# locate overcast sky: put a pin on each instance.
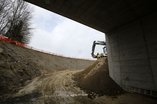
(57, 34)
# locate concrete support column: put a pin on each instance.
(132, 54)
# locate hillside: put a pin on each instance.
(19, 65)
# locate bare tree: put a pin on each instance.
(5, 5)
(16, 21)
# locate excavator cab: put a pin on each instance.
(99, 55)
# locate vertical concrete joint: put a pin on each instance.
(147, 51)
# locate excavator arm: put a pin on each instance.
(93, 48)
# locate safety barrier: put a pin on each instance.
(6, 39)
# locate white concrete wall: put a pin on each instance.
(132, 54)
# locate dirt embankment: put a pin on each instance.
(19, 65)
(15, 70)
(96, 79)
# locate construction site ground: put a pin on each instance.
(25, 81)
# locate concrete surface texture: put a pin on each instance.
(103, 15)
(132, 53)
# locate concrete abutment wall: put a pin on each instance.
(132, 55)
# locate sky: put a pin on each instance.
(62, 36)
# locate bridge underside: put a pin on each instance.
(131, 32)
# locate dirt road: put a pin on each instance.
(60, 88)
(55, 88)
(63, 89)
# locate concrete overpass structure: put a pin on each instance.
(131, 31)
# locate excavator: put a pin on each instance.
(99, 55)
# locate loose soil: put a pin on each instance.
(68, 83)
(96, 79)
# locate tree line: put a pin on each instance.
(15, 16)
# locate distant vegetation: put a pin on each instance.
(15, 18)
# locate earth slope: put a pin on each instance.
(19, 65)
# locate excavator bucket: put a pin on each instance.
(98, 55)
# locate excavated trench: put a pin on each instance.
(25, 79)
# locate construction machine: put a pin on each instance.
(99, 55)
